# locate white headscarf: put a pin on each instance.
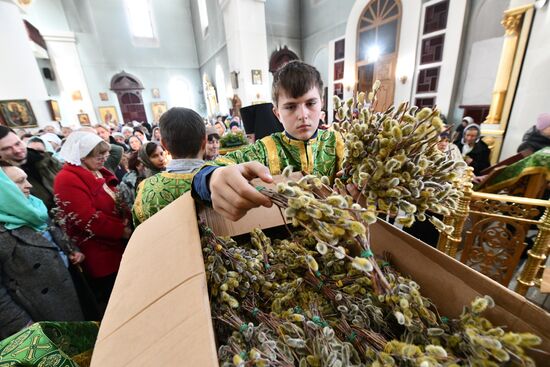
(465, 147)
(78, 145)
(52, 138)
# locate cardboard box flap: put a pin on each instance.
(160, 296)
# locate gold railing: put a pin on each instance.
(495, 238)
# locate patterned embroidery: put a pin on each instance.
(321, 156)
(156, 192)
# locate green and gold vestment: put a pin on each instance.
(321, 156)
(50, 344)
(156, 192)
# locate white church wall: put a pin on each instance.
(321, 22)
(283, 28)
(533, 91)
(19, 73)
(282, 18)
(105, 47)
(214, 40)
(482, 29)
(110, 50)
(48, 16)
(480, 77)
(211, 47)
(209, 68)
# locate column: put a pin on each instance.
(512, 24)
(70, 78)
(19, 73)
(245, 32)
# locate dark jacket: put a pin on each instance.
(480, 156)
(533, 140)
(41, 169)
(115, 156)
(35, 285)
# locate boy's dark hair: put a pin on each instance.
(4, 131)
(296, 78)
(182, 131)
(213, 136)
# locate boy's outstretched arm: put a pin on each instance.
(230, 192)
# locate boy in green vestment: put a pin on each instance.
(183, 135)
(297, 104)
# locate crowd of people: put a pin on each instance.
(67, 202)
(71, 199)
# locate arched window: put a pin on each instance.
(141, 24)
(377, 45)
(203, 15)
(180, 93)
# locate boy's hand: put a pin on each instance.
(231, 194)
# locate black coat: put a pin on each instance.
(41, 169)
(35, 285)
(480, 156)
(533, 140)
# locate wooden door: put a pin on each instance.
(131, 106)
(384, 70)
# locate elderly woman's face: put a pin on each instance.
(470, 136)
(19, 177)
(95, 162)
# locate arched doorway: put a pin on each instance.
(280, 58)
(128, 90)
(377, 45)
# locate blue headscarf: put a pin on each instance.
(16, 210)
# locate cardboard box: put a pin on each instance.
(159, 313)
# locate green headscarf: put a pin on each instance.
(16, 210)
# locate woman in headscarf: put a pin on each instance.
(36, 284)
(474, 151)
(134, 143)
(148, 161)
(155, 137)
(86, 194)
(152, 156)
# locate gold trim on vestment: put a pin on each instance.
(339, 150)
(273, 160)
(184, 176)
(138, 205)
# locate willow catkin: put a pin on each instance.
(401, 167)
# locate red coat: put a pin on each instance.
(91, 218)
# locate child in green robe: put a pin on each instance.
(183, 135)
(297, 104)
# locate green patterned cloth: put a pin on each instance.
(156, 192)
(538, 162)
(50, 344)
(321, 156)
